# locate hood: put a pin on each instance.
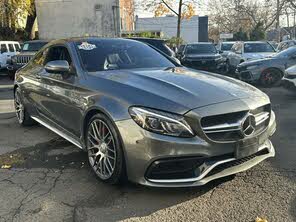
(178, 86)
(27, 53)
(259, 55)
(259, 61)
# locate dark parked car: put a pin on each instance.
(141, 116)
(267, 71)
(203, 56)
(160, 44)
(28, 51)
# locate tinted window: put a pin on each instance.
(159, 44)
(34, 47)
(258, 47)
(4, 48)
(226, 46)
(200, 48)
(17, 47)
(58, 53)
(99, 55)
(11, 48)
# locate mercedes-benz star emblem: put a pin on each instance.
(248, 126)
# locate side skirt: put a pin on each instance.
(59, 132)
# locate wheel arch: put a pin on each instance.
(273, 68)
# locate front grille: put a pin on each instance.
(228, 127)
(22, 60)
(221, 167)
(181, 168)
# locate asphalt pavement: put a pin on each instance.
(50, 180)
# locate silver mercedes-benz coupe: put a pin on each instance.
(141, 116)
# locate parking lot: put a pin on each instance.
(49, 180)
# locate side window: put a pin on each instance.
(11, 48)
(3, 48)
(58, 53)
(40, 58)
(17, 47)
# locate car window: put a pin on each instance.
(3, 48)
(258, 47)
(33, 46)
(226, 46)
(11, 48)
(200, 49)
(39, 59)
(17, 47)
(58, 53)
(100, 55)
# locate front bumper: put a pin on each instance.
(14, 67)
(207, 65)
(289, 84)
(252, 75)
(143, 149)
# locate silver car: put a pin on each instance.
(141, 116)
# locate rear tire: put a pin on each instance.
(104, 148)
(22, 115)
(271, 77)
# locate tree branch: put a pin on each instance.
(169, 7)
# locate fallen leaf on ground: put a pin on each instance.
(258, 219)
(5, 166)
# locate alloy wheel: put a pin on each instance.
(19, 107)
(101, 148)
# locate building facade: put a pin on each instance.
(76, 18)
(194, 29)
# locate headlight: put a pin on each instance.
(252, 67)
(161, 122)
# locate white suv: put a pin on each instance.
(7, 50)
(243, 51)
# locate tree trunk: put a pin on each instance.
(30, 20)
(179, 20)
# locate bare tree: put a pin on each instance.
(180, 8)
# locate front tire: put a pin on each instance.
(22, 115)
(104, 149)
(271, 77)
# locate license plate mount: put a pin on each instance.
(247, 147)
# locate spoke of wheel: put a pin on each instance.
(108, 156)
(95, 130)
(108, 162)
(107, 167)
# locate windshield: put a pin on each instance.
(100, 55)
(226, 46)
(36, 46)
(287, 53)
(258, 47)
(200, 49)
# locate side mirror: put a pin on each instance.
(221, 51)
(57, 66)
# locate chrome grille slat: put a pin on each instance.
(228, 127)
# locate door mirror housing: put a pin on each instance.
(57, 66)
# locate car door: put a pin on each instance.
(291, 61)
(11, 50)
(61, 100)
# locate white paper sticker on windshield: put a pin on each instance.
(87, 46)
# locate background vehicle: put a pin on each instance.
(7, 50)
(224, 48)
(27, 52)
(285, 45)
(268, 71)
(139, 114)
(202, 56)
(244, 51)
(289, 80)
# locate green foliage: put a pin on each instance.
(174, 42)
(258, 32)
(240, 36)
